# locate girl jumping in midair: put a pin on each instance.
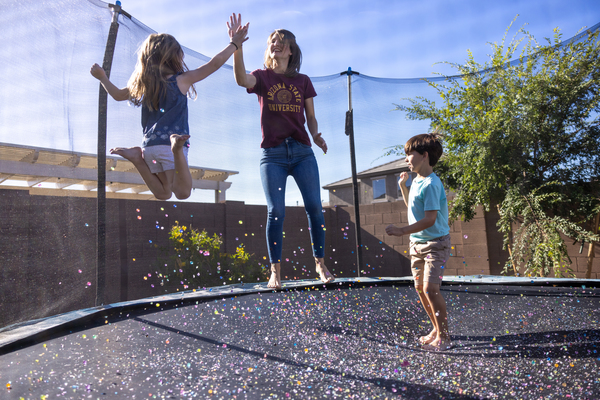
(161, 84)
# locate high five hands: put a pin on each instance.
(235, 27)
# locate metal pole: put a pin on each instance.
(350, 134)
(101, 199)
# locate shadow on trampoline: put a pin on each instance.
(535, 345)
(527, 345)
(389, 385)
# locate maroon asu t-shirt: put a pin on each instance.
(281, 102)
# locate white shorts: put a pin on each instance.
(160, 158)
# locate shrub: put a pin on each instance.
(196, 260)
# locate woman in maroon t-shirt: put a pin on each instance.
(285, 97)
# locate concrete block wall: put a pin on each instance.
(470, 244)
(578, 254)
(580, 262)
(47, 256)
(237, 224)
(495, 241)
(48, 247)
(389, 255)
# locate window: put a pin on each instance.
(379, 188)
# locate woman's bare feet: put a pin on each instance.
(275, 280)
(177, 141)
(133, 154)
(324, 274)
(428, 338)
(438, 344)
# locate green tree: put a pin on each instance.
(512, 128)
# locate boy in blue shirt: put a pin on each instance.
(429, 234)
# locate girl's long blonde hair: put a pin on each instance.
(295, 62)
(159, 56)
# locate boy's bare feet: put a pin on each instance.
(438, 345)
(133, 154)
(177, 141)
(324, 274)
(275, 280)
(427, 338)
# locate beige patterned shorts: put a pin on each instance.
(428, 259)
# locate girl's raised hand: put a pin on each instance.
(97, 72)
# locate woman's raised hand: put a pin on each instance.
(237, 32)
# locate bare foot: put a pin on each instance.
(133, 154)
(177, 141)
(438, 345)
(275, 280)
(324, 274)
(428, 338)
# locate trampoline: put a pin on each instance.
(355, 338)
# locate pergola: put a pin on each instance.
(52, 172)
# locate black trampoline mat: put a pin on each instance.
(525, 342)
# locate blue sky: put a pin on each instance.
(388, 39)
(383, 38)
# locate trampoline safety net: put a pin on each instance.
(50, 101)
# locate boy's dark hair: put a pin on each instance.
(426, 142)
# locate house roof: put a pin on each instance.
(383, 169)
(57, 172)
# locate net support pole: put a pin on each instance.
(102, 121)
(350, 133)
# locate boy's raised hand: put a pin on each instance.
(403, 178)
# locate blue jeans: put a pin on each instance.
(277, 163)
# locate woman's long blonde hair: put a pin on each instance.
(288, 38)
(159, 56)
